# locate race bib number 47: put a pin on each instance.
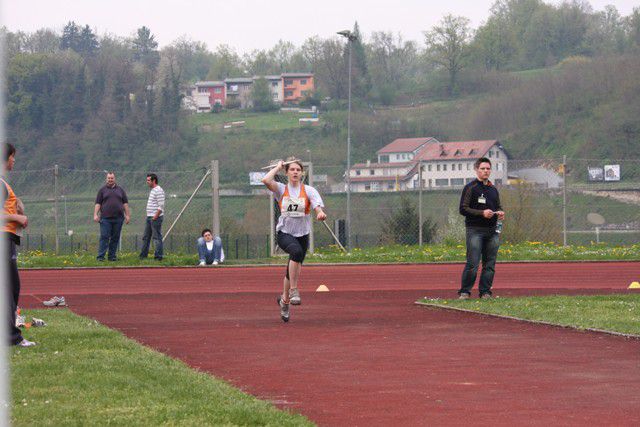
(293, 206)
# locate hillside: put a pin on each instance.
(581, 108)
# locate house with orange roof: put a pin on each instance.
(450, 164)
(395, 161)
(444, 165)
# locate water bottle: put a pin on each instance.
(499, 226)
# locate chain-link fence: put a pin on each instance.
(576, 201)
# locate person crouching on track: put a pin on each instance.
(296, 201)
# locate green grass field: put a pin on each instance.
(618, 313)
(82, 373)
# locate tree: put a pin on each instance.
(261, 95)
(402, 226)
(447, 46)
(392, 64)
(259, 63)
(226, 63)
(87, 42)
(42, 41)
(145, 48)
(194, 58)
(361, 80)
(70, 37)
(281, 54)
(633, 28)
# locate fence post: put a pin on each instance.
(215, 196)
(420, 203)
(272, 225)
(55, 205)
(564, 200)
(311, 235)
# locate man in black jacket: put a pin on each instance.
(480, 204)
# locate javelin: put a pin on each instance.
(284, 164)
(334, 236)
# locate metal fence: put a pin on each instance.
(575, 201)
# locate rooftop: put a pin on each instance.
(456, 150)
(406, 145)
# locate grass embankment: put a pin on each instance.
(530, 251)
(82, 373)
(617, 313)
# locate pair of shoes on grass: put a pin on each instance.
(55, 302)
(465, 295)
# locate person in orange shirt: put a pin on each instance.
(14, 220)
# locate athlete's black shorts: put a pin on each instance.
(296, 247)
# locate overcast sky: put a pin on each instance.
(250, 24)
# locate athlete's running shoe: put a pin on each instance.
(294, 297)
(284, 309)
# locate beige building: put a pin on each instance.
(444, 165)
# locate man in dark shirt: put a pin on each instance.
(480, 204)
(111, 210)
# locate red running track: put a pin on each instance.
(363, 354)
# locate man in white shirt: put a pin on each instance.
(155, 214)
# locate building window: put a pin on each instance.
(442, 182)
(288, 93)
(457, 181)
(429, 168)
(372, 172)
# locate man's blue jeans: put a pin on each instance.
(153, 229)
(206, 255)
(109, 237)
(482, 243)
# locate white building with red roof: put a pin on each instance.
(444, 165)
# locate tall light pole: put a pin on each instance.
(350, 39)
